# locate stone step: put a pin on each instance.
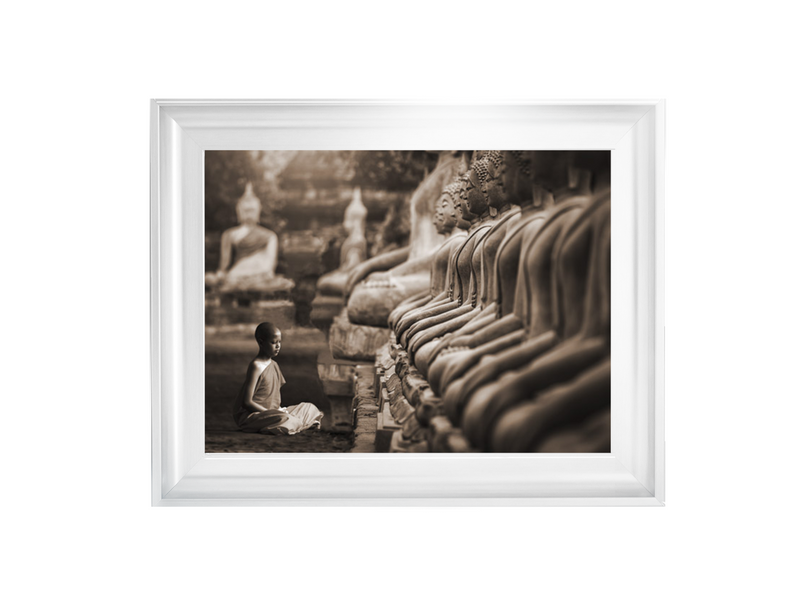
(279, 312)
(326, 308)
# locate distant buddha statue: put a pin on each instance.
(377, 286)
(249, 252)
(353, 250)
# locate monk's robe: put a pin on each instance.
(276, 420)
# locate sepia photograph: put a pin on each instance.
(407, 301)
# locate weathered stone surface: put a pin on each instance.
(355, 342)
(400, 444)
(383, 357)
(400, 409)
(444, 437)
(386, 425)
(324, 310)
(338, 379)
(365, 411)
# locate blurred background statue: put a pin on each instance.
(377, 286)
(353, 250)
(249, 252)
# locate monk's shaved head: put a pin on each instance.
(265, 331)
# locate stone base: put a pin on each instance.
(339, 381)
(386, 424)
(366, 409)
(348, 341)
(325, 309)
(444, 437)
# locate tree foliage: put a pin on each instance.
(391, 170)
(226, 175)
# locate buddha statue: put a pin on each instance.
(549, 172)
(529, 329)
(450, 223)
(353, 250)
(377, 286)
(249, 252)
(582, 341)
(457, 298)
(498, 301)
(506, 185)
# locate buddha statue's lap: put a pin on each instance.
(582, 266)
(466, 270)
(372, 300)
(525, 427)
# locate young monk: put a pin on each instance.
(257, 407)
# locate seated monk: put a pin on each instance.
(582, 273)
(451, 224)
(507, 186)
(407, 271)
(252, 250)
(524, 302)
(353, 250)
(474, 207)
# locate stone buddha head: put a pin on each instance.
(438, 213)
(506, 180)
(248, 207)
(449, 205)
(473, 202)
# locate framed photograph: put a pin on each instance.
(326, 288)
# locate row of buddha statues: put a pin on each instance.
(501, 327)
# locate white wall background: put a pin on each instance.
(75, 439)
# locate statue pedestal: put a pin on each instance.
(349, 341)
(339, 379)
(325, 309)
(249, 307)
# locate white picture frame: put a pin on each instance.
(184, 475)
